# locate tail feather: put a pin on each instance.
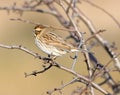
(74, 50)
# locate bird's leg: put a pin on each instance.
(54, 57)
(51, 57)
(48, 59)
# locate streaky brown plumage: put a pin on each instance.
(51, 43)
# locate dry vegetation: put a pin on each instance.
(70, 21)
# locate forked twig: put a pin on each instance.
(63, 86)
(70, 22)
(34, 73)
(19, 47)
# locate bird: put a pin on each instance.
(51, 43)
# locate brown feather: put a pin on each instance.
(56, 41)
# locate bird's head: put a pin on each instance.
(38, 30)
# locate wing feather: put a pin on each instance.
(56, 41)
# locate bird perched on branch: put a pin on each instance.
(51, 43)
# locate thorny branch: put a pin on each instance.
(72, 10)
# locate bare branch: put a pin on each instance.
(47, 26)
(63, 86)
(19, 47)
(54, 64)
(73, 15)
(82, 77)
(20, 10)
(92, 29)
(34, 73)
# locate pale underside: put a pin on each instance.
(54, 45)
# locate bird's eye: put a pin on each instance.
(37, 31)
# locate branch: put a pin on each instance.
(82, 77)
(47, 26)
(92, 29)
(63, 86)
(19, 47)
(71, 25)
(34, 73)
(20, 10)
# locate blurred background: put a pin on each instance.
(13, 63)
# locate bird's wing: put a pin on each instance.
(57, 41)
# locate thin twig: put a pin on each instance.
(92, 29)
(70, 4)
(19, 47)
(93, 35)
(104, 67)
(47, 26)
(69, 8)
(87, 60)
(63, 86)
(83, 78)
(34, 73)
